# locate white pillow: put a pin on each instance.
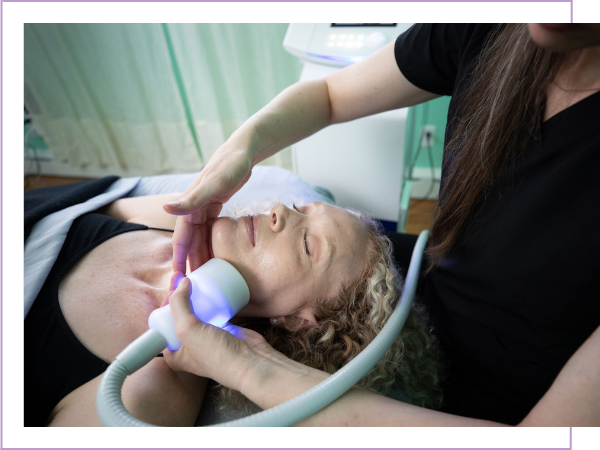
(266, 186)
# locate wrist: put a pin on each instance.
(245, 142)
(270, 378)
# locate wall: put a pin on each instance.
(433, 113)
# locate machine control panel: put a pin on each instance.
(340, 44)
(351, 41)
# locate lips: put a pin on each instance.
(557, 27)
(251, 228)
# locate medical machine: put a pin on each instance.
(360, 162)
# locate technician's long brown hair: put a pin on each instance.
(495, 120)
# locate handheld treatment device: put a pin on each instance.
(218, 292)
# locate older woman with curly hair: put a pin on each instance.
(343, 324)
(321, 278)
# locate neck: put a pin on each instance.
(581, 70)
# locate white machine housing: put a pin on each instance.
(360, 162)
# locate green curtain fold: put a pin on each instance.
(161, 98)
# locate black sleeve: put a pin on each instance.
(429, 55)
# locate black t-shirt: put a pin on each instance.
(518, 296)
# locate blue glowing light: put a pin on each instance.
(220, 320)
(210, 303)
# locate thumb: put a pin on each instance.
(192, 201)
(181, 308)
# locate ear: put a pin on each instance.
(303, 318)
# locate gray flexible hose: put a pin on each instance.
(136, 355)
(113, 413)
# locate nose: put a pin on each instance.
(278, 216)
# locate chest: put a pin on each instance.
(558, 100)
(107, 296)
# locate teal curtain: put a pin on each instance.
(156, 97)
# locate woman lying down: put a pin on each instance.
(322, 285)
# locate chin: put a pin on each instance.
(563, 37)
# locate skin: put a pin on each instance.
(565, 37)
(284, 272)
(578, 77)
(282, 278)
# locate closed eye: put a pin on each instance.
(305, 233)
(306, 243)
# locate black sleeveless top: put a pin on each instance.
(56, 362)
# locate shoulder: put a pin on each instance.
(146, 210)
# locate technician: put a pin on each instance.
(512, 288)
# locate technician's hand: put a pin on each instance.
(208, 351)
(226, 172)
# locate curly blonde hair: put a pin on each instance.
(349, 322)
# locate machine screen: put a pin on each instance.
(363, 24)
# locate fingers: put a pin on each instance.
(182, 237)
(165, 302)
(175, 279)
(176, 207)
(181, 309)
(197, 199)
(192, 240)
(198, 251)
(213, 210)
(225, 174)
(180, 303)
(216, 184)
(186, 327)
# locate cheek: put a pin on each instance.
(273, 279)
(273, 272)
(224, 239)
(270, 262)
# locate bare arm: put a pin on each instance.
(572, 400)
(154, 394)
(146, 210)
(372, 86)
(275, 379)
(369, 87)
(574, 397)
